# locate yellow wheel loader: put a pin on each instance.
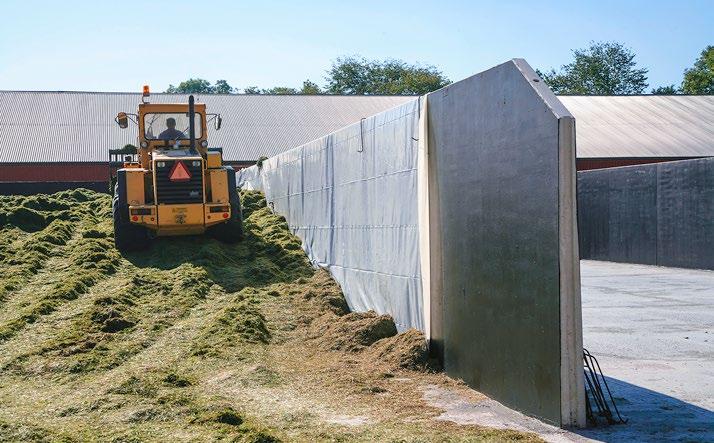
(172, 183)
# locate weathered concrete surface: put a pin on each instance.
(490, 413)
(652, 329)
(506, 316)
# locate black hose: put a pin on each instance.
(191, 124)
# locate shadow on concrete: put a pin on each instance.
(653, 416)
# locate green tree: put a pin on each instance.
(200, 86)
(666, 90)
(310, 88)
(280, 90)
(359, 76)
(606, 68)
(191, 86)
(222, 87)
(251, 90)
(699, 79)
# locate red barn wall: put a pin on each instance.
(54, 172)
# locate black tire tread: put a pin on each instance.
(127, 237)
(230, 231)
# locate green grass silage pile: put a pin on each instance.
(73, 309)
(96, 345)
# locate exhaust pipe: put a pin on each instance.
(191, 124)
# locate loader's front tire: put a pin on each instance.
(231, 230)
(127, 236)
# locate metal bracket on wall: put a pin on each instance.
(419, 115)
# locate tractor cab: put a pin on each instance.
(172, 183)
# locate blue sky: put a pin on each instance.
(119, 46)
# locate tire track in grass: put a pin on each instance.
(35, 228)
(91, 258)
(20, 355)
(120, 324)
(20, 262)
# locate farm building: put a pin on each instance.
(55, 140)
(638, 129)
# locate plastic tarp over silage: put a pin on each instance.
(351, 196)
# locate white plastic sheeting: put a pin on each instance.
(351, 197)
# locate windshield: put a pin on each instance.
(169, 126)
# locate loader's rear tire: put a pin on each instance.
(230, 231)
(127, 236)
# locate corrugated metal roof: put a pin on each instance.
(643, 126)
(79, 126)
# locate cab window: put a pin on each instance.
(170, 125)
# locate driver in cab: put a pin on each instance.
(171, 133)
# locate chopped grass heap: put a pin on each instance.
(351, 332)
(192, 339)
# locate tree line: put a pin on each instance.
(347, 76)
(603, 68)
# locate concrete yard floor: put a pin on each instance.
(652, 330)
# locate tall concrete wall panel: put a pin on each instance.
(494, 144)
(455, 214)
(659, 214)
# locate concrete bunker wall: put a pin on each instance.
(507, 313)
(660, 214)
(455, 214)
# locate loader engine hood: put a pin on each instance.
(175, 154)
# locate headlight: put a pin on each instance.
(196, 163)
(144, 144)
(160, 164)
(204, 143)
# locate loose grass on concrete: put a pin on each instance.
(195, 340)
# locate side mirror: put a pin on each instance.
(122, 120)
(218, 123)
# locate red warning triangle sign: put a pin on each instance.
(179, 173)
